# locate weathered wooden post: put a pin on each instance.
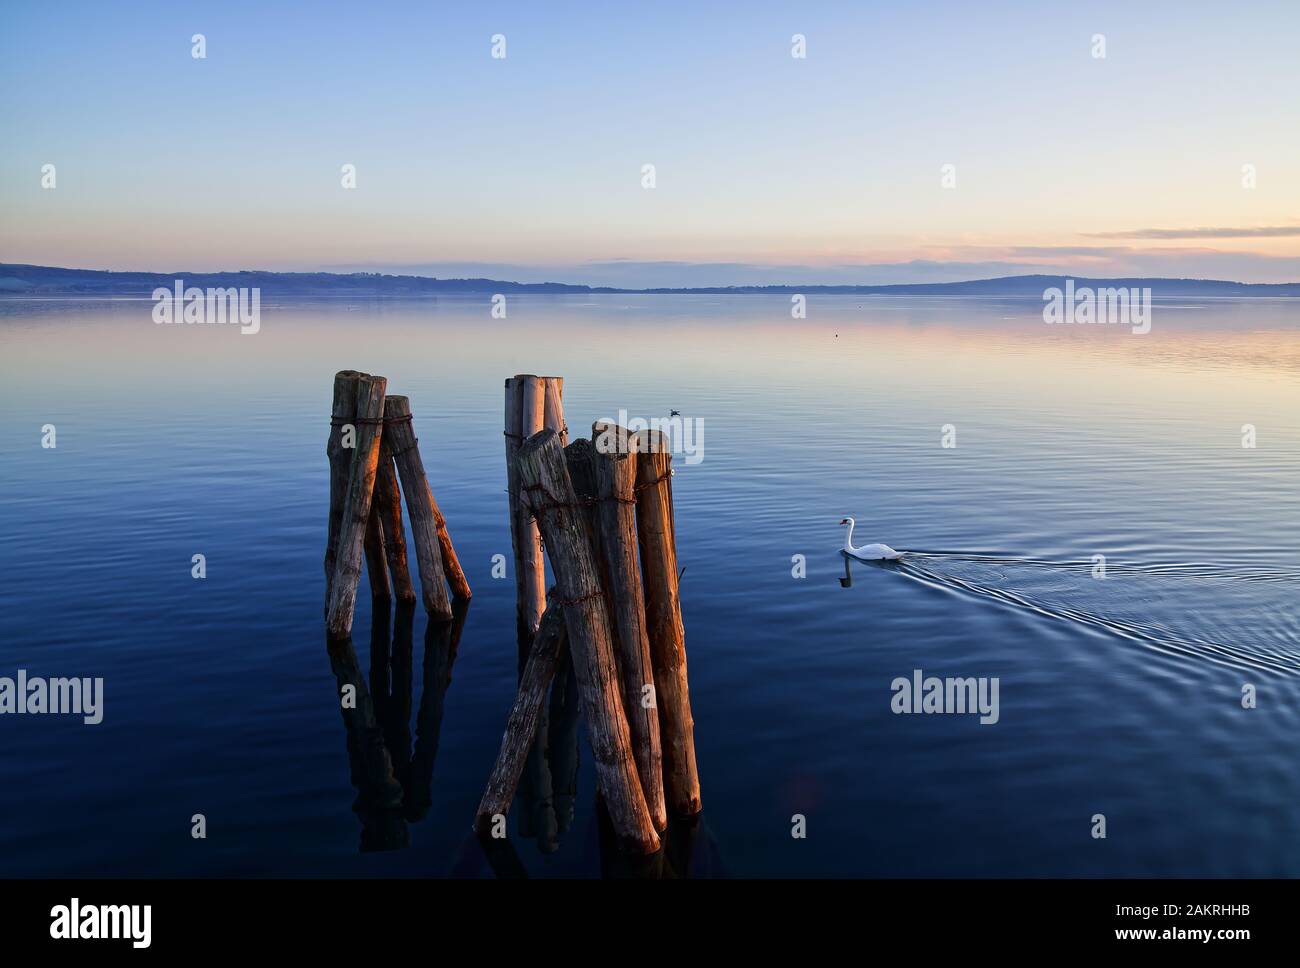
(531, 569)
(343, 415)
(343, 411)
(658, 545)
(513, 437)
(356, 503)
(521, 728)
(419, 506)
(553, 408)
(614, 464)
(545, 481)
(525, 414)
(450, 562)
(388, 508)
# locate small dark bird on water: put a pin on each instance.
(674, 413)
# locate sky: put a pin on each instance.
(768, 168)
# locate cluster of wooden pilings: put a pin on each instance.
(602, 511)
(372, 447)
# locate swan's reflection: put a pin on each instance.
(393, 782)
(849, 561)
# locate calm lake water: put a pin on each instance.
(1119, 696)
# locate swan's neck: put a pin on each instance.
(848, 538)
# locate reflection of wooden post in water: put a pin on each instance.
(379, 795)
(689, 851)
(394, 782)
(356, 503)
(544, 478)
(658, 542)
(563, 716)
(525, 714)
(441, 641)
(390, 685)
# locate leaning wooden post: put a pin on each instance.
(343, 415)
(356, 503)
(615, 472)
(450, 562)
(419, 506)
(658, 543)
(545, 480)
(388, 507)
(547, 649)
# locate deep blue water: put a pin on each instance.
(1118, 696)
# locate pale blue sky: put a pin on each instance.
(768, 168)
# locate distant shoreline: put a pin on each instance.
(30, 280)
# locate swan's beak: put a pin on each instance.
(844, 520)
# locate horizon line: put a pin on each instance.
(712, 289)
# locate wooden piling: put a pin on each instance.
(579, 459)
(530, 568)
(419, 507)
(343, 410)
(450, 562)
(553, 408)
(343, 413)
(544, 480)
(615, 480)
(388, 507)
(513, 416)
(356, 503)
(658, 545)
(521, 728)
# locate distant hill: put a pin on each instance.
(16, 279)
(46, 279)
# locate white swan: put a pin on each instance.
(870, 552)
